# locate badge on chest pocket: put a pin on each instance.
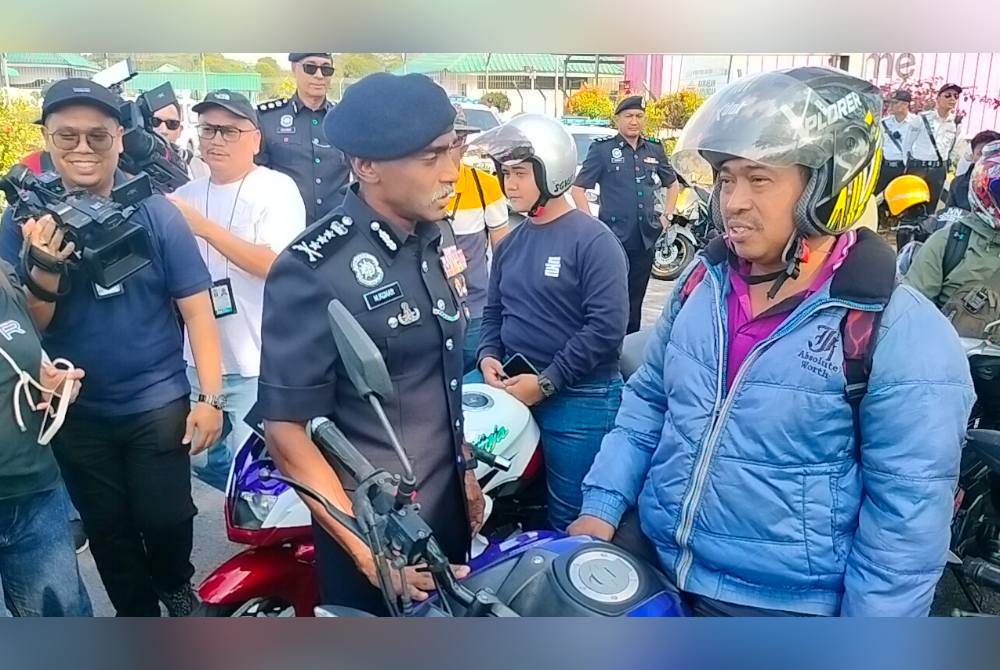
(223, 303)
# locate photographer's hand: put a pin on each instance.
(47, 241)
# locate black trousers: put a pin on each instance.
(631, 538)
(640, 264)
(130, 478)
(342, 584)
(934, 176)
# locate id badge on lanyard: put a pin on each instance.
(223, 302)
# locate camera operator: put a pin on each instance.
(168, 123)
(124, 446)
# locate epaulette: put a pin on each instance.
(272, 104)
(316, 243)
(654, 140)
(605, 138)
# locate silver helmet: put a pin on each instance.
(536, 138)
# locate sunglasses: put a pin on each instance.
(311, 68)
(99, 141)
(171, 124)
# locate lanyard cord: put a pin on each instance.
(229, 226)
(22, 389)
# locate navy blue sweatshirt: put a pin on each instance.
(559, 296)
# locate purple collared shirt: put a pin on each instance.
(745, 331)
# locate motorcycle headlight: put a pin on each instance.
(258, 504)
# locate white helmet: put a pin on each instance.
(539, 139)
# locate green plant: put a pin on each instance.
(497, 99)
(591, 102)
(676, 108)
(19, 136)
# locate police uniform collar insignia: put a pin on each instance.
(367, 270)
(311, 247)
(385, 237)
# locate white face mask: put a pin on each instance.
(58, 405)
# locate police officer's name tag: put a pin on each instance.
(223, 303)
(453, 261)
(383, 295)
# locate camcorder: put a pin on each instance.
(108, 247)
(145, 150)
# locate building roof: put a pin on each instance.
(499, 63)
(53, 60)
(195, 81)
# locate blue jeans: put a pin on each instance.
(38, 570)
(239, 395)
(473, 330)
(572, 423)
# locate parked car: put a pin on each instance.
(584, 132)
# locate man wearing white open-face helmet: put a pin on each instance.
(557, 306)
(791, 441)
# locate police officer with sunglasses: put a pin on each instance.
(293, 140)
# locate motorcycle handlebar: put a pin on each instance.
(327, 436)
(982, 572)
(492, 460)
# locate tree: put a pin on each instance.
(19, 135)
(676, 108)
(591, 102)
(497, 99)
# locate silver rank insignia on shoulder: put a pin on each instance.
(367, 270)
(408, 315)
(384, 237)
(312, 248)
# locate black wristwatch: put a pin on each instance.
(546, 385)
(215, 401)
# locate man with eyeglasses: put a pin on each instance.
(243, 215)
(294, 142)
(934, 143)
(168, 124)
(124, 449)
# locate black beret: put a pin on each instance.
(386, 116)
(631, 102)
(296, 57)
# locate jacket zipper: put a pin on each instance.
(693, 498)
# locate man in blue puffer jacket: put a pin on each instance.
(761, 486)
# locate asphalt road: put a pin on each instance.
(211, 547)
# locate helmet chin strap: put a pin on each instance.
(796, 252)
(539, 206)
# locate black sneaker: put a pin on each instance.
(80, 540)
(180, 603)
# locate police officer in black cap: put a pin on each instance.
(293, 141)
(390, 256)
(638, 194)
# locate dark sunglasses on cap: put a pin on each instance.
(310, 69)
(171, 124)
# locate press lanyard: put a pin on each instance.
(229, 226)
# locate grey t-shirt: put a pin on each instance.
(25, 466)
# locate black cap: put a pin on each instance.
(230, 101)
(950, 87)
(76, 91)
(631, 102)
(901, 96)
(296, 57)
(386, 116)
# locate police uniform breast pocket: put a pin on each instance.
(383, 326)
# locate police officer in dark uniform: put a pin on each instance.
(293, 141)
(638, 194)
(387, 253)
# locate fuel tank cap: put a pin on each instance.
(603, 576)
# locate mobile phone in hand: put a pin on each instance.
(519, 365)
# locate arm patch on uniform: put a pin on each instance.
(317, 243)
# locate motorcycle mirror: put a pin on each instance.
(360, 356)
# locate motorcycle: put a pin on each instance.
(275, 576)
(690, 230)
(975, 531)
(532, 574)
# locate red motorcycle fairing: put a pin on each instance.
(286, 572)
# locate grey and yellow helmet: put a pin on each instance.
(822, 119)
